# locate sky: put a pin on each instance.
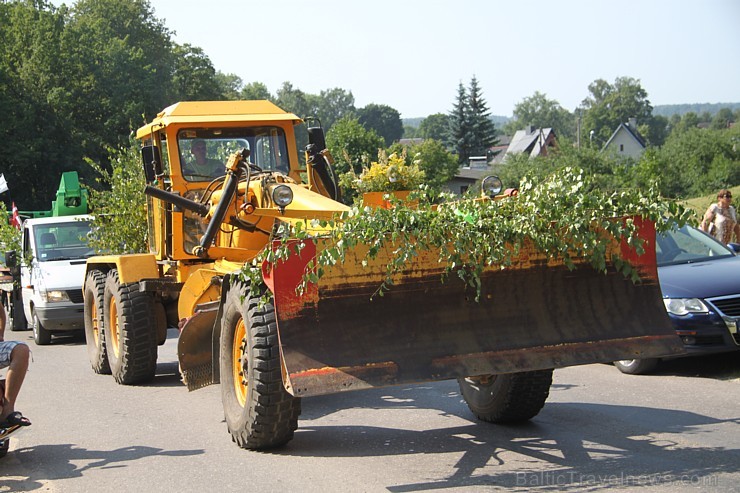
(413, 54)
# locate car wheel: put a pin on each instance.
(636, 366)
(41, 336)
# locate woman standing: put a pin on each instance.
(720, 220)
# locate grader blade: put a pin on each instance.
(537, 314)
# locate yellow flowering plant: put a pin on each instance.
(389, 173)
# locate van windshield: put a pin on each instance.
(62, 241)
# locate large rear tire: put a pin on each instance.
(130, 331)
(94, 326)
(507, 398)
(259, 412)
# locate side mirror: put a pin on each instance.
(152, 161)
(735, 247)
(316, 134)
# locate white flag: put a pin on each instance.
(3, 184)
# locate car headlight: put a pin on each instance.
(56, 296)
(282, 195)
(684, 306)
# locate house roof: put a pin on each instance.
(626, 127)
(471, 173)
(530, 140)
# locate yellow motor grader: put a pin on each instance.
(222, 177)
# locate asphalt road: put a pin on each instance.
(675, 431)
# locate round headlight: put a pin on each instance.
(491, 186)
(282, 195)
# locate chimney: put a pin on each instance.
(632, 123)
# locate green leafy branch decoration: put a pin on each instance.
(562, 216)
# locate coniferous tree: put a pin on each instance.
(459, 137)
(482, 130)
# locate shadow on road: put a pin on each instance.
(65, 458)
(725, 366)
(567, 451)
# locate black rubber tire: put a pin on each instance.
(94, 325)
(41, 336)
(507, 398)
(267, 415)
(637, 366)
(130, 335)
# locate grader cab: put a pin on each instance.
(222, 177)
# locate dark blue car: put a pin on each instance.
(700, 281)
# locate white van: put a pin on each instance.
(53, 256)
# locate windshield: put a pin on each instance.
(687, 245)
(62, 241)
(204, 152)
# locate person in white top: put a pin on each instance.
(720, 220)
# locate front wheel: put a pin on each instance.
(94, 331)
(41, 336)
(259, 412)
(507, 398)
(636, 366)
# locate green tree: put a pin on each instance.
(333, 105)
(383, 119)
(229, 85)
(435, 127)
(609, 105)
(194, 78)
(437, 163)
(541, 112)
(482, 130)
(722, 119)
(256, 90)
(119, 208)
(458, 132)
(352, 145)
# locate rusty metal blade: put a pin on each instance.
(535, 315)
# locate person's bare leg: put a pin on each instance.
(14, 378)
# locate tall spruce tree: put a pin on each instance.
(459, 136)
(482, 130)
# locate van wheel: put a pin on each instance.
(94, 327)
(130, 331)
(41, 336)
(507, 398)
(259, 412)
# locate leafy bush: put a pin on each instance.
(119, 209)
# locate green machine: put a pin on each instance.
(71, 199)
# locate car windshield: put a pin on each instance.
(204, 152)
(62, 241)
(687, 245)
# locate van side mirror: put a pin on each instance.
(152, 161)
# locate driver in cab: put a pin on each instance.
(202, 165)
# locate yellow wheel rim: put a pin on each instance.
(239, 362)
(114, 328)
(95, 324)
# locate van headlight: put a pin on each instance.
(684, 306)
(55, 296)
